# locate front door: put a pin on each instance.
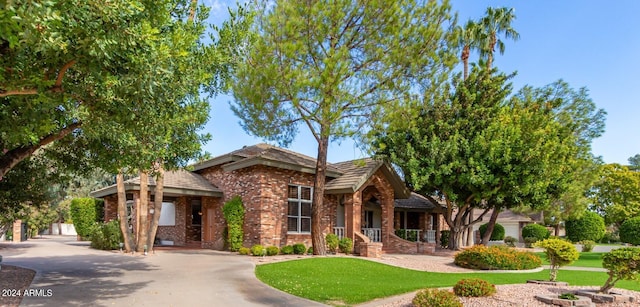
(209, 224)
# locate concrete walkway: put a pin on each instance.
(80, 276)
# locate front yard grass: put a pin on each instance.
(348, 281)
(587, 260)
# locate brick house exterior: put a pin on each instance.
(365, 200)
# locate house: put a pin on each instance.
(511, 221)
(364, 200)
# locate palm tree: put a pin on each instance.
(497, 21)
(469, 36)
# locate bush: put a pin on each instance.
(480, 257)
(287, 250)
(535, 231)
(310, 250)
(589, 227)
(85, 212)
(332, 242)
(630, 231)
(444, 238)
(610, 237)
(106, 236)
(233, 212)
(244, 250)
(529, 241)
(345, 245)
(407, 235)
(496, 235)
(299, 249)
(474, 287)
(436, 298)
(587, 245)
(559, 253)
(621, 263)
(258, 250)
(510, 241)
(272, 250)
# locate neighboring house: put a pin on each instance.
(364, 200)
(511, 221)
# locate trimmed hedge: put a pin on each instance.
(589, 227)
(299, 249)
(233, 212)
(496, 235)
(106, 236)
(85, 212)
(536, 231)
(474, 287)
(498, 257)
(332, 242)
(345, 245)
(436, 298)
(630, 231)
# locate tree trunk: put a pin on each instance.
(470, 236)
(455, 238)
(556, 230)
(465, 60)
(157, 205)
(553, 273)
(143, 212)
(493, 42)
(492, 223)
(122, 212)
(317, 237)
(608, 285)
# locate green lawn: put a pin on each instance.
(589, 260)
(348, 281)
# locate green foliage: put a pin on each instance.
(407, 235)
(272, 250)
(287, 250)
(345, 245)
(474, 287)
(559, 253)
(310, 250)
(510, 241)
(587, 245)
(299, 249)
(536, 231)
(244, 250)
(496, 235)
(630, 231)
(258, 250)
(444, 238)
(529, 241)
(617, 193)
(481, 257)
(84, 212)
(622, 264)
(568, 296)
(332, 242)
(436, 298)
(588, 227)
(233, 211)
(610, 237)
(106, 236)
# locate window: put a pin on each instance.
(167, 214)
(299, 211)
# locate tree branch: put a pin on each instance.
(56, 88)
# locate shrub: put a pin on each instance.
(299, 249)
(244, 250)
(536, 231)
(106, 236)
(610, 237)
(510, 241)
(233, 212)
(332, 242)
(258, 250)
(589, 227)
(621, 263)
(85, 212)
(568, 296)
(444, 238)
(345, 245)
(630, 231)
(436, 298)
(474, 287)
(407, 235)
(272, 250)
(497, 257)
(559, 253)
(529, 241)
(587, 245)
(496, 235)
(310, 250)
(287, 250)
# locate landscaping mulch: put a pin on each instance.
(12, 280)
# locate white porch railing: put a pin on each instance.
(374, 234)
(430, 236)
(410, 234)
(338, 231)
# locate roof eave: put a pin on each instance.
(111, 190)
(248, 162)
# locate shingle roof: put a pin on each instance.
(416, 201)
(357, 172)
(180, 182)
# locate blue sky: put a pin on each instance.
(592, 44)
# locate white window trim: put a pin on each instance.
(300, 201)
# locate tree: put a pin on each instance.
(559, 253)
(634, 162)
(329, 67)
(588, 227)
(621, 264)
(616, 194)
(469, 38)
(630, 231)
(496, 21)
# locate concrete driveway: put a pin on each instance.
(80, 276)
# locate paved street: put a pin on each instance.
(80, 276)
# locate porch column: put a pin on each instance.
(352, 214)
(386, 204)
